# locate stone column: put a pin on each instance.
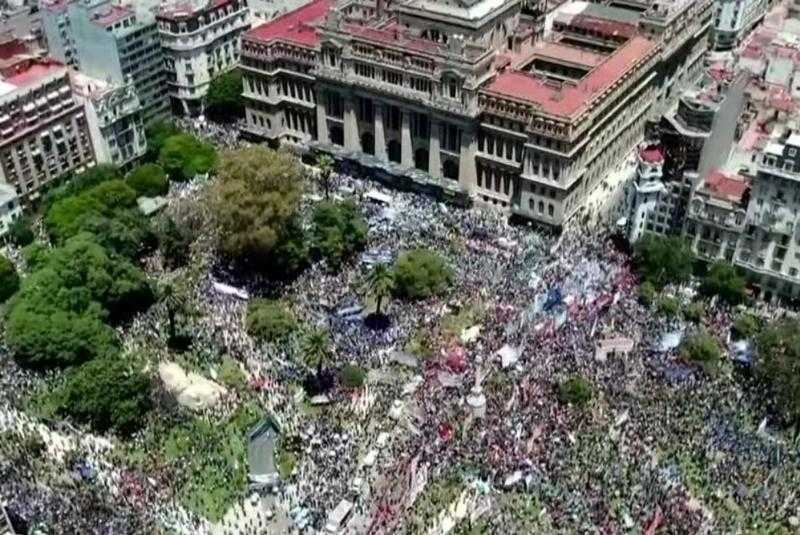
(322, 119)
(434, 151)
(467, 173)
(406, 149)
(351, 141)
(380, 136)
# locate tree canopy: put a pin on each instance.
(157, 133)
(20, 232)
(256, 203)
(778, 365)
(724, 281)
(9, 280)
(183, 157)
(224, 102)
(107, 393)
(703, 350)
(79, 183)
(663, 260)
(338, 231)
(57, 317)
(269, 320)
(108, 211)
(420, 273)
(148, 180)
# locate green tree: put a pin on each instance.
(173, 241)
(157, 133)
(57, 317)
(183, 157)
(746, 325)
(44, 336)
(316, 349)
(380, 284)
(148, 180)
(662, 260)
(269, 320)
(338, 231)
(695, 312)
(647, 293)
(325, 166)
(723, 280)
(352, 376)
(108, 211)
(778, 364)
(224, 101)
(576, 391)
(79, 183)
(703, 350)
(419, 274)
(20, 232)
(9, 280)
(256, 203)
(669, 306)
(107, 393)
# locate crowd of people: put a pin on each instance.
(660, 445)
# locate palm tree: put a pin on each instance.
(325, 165)
(380, 283)
(316, 347)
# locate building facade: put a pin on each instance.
(114, 117)
(734, 20)
(717, 214)
(769, 250)
(10, 209)
(201, 39)
(114, 43)
(471, 96)
(44, 135)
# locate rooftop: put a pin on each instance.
(569, 99)
(179, 9)
(30, 71)
(298, 26)
(599, 18)
(111, 15)
(552, 50)
(725, 187)
(652, 154)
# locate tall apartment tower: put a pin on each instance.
(114, 43)
(44, 134)
(201, 39)
(734, 20)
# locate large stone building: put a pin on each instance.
(201, 39)
(114, 116)
(472, 95)
(44, 135)
(111, 42)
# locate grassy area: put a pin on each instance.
(454, 323)
(209, 457)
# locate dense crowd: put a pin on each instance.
(662, 445)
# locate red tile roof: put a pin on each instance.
(570, 99)
(721, 186)
(605, 27)
(652, 154)
(566, 53)
(30, 71)
(298, 26)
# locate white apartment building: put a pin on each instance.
(200, 40)
(734, 20)
(114, 116)
(769, 250)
